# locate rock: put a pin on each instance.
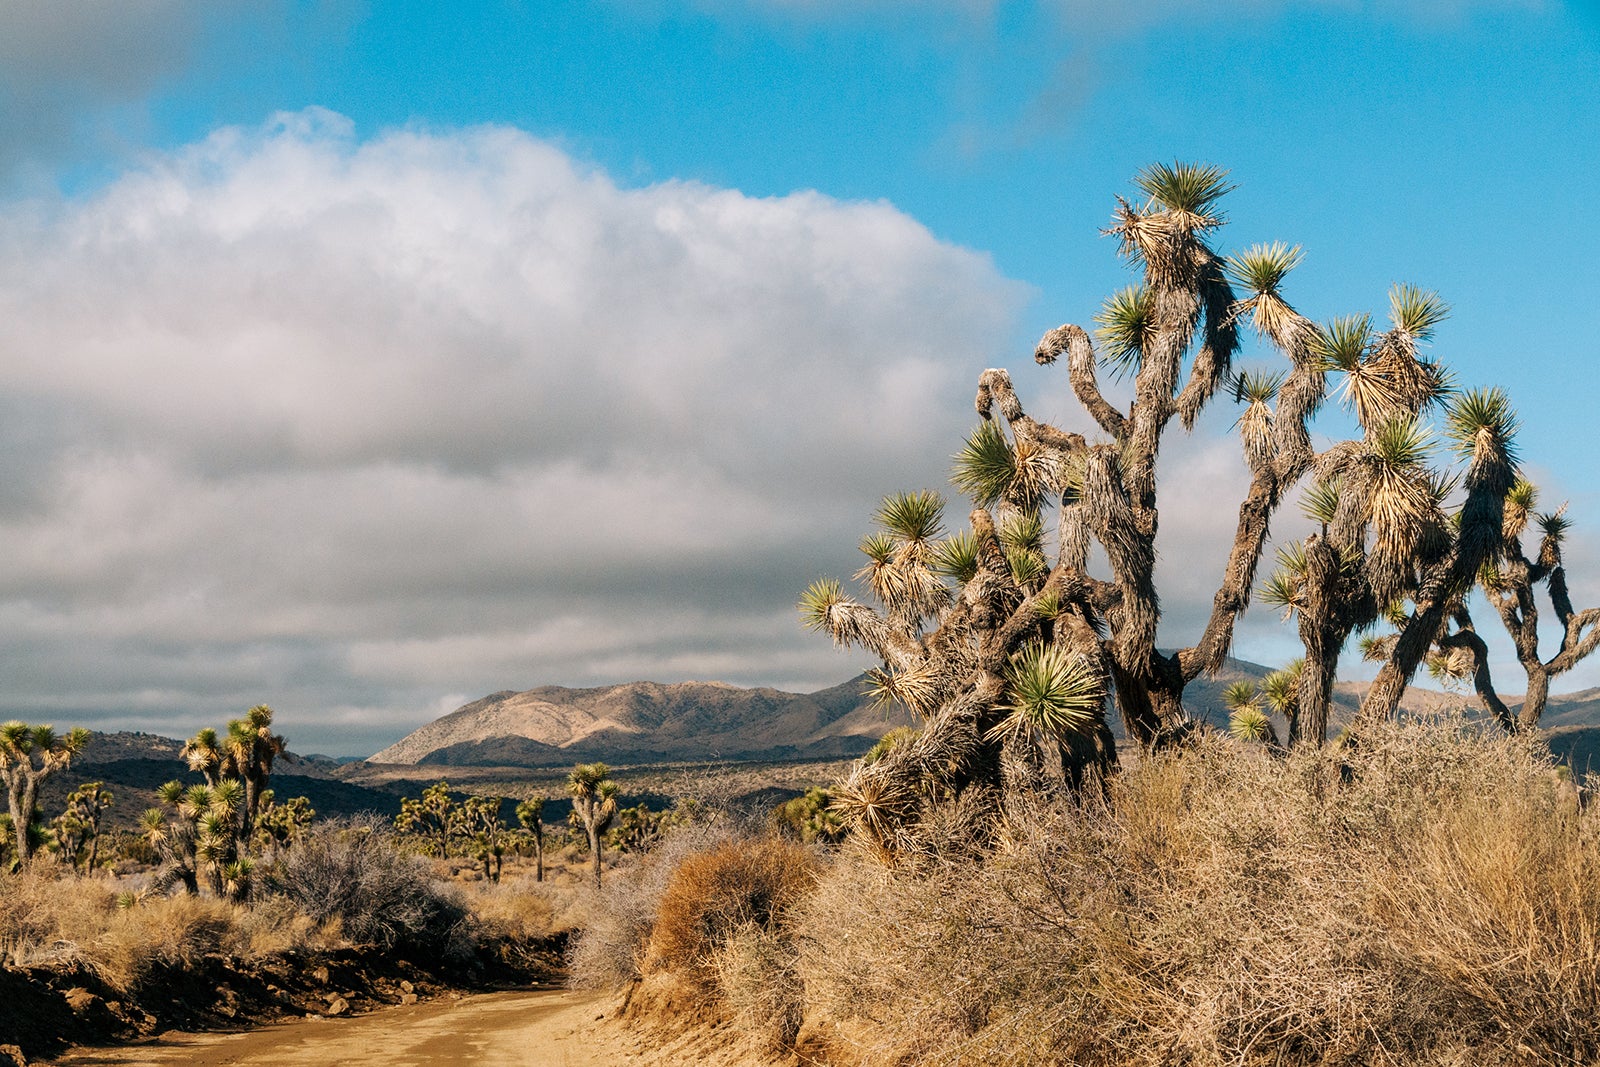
(339, 1006)
(320, 975)
(407, 987)
(408, 998)
(11, 1056)
(80, 999)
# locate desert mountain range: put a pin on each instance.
(643, 722)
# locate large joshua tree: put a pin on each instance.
(1012, 666)
(29, 755)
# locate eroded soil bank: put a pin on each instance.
(47, 1011)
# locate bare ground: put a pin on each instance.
(518, 1029)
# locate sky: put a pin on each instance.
(364, 358)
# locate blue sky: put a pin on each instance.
(369, 357)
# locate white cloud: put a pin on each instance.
(286, 400)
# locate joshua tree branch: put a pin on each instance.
(1466, 637)
(1081, 373)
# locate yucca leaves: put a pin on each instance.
(1124, 325)
(918, 690)
(1261, 268)
(1416, 311)
(1257, 386)
(1027, 566)
(913, 517)
(1342, 344)
(1023, 532)
(1250, 724)
(1555, 524)
(957, 556)
(1321, 502)
(1190, 190)
(1281, 689)
(1482, 425)
(985, 467)
(819, 601)
(1241, 694)
(1051, 695)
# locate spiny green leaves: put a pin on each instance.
(1402, 443)
(1250, 724)
(915, 517)
(818, 602)
(1416, 311)
(1555, 524)
(1241, 694)
(1257, 386)
(1343, 343)
(1051, 695)
(1190, 190)
(1281, 688)
(957, 556)
(1124, 325)
(985, 466)
(1261, 268)
(1321, 502)
(1482, 425)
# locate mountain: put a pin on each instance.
(650, 722)
(643, 722)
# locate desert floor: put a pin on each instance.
(519, 1029)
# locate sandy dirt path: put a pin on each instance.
(543, 1028)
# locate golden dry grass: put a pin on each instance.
(1436, 904)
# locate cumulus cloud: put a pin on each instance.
(350, 425)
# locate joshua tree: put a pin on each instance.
(29, 755)
(594, 802)
(1510, 583)
(1011, 668)
(244, 755)
(252, 747)
(1251, 707)
(530, 813)
(432, 816)
(78, 827)
(278, 826)
(477, 821)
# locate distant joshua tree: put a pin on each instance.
(78, 827)
(530, 813)
(594, 802)
(28, 756)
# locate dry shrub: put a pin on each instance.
(609, 951)
(713, 895)
(174, 931)
(759, 980)
(1437, 903)
(352, 872)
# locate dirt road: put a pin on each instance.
(528, 1029)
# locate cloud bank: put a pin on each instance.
(354, 427)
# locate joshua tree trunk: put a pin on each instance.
(594, 847)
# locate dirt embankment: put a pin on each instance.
(44, 1011)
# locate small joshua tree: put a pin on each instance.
(1510, 582)
(28, 756)
(279, 826)
(594, 802)
(530, 813)
(431, 817)
(477, 822)
(78, 827)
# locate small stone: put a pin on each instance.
(339, 1006)
(11, 1056)
(407, 987)
(79, 999)
(320, 976)
(408, 998)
